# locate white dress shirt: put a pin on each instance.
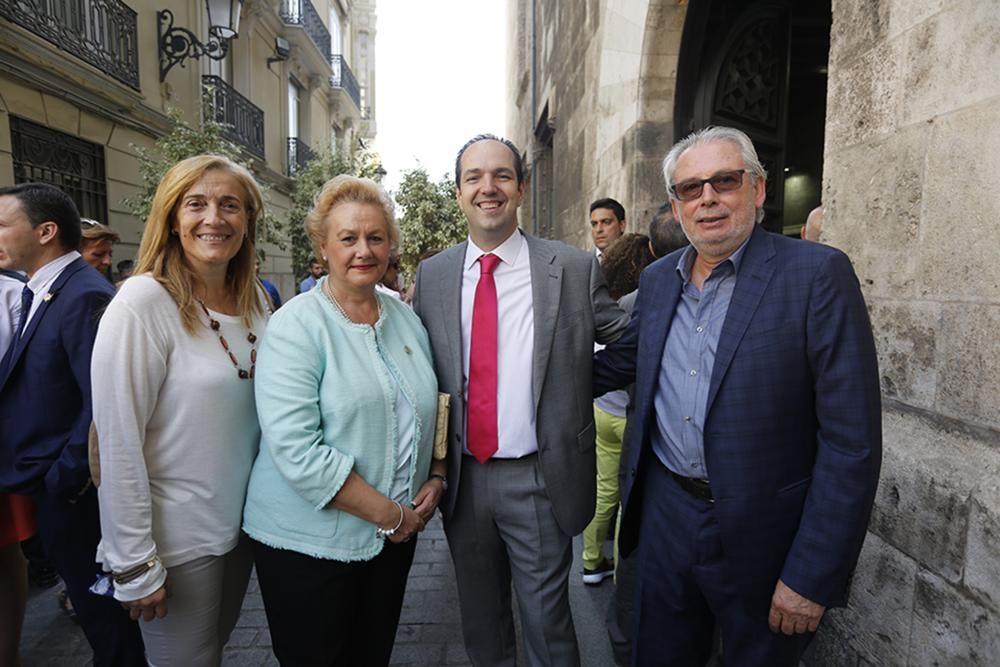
(40, 283)
(515, 342)
(10, 310)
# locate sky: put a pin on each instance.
(440, 79)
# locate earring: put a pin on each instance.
(324, 258)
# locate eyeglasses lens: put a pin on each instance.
(726, 181)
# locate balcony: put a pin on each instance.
(243, 120)
(102, 33)
(302, 13)
(299, 155)
(343, 78)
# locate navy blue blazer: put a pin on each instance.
(793, 435)
(45, 407)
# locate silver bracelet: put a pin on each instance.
(389, 532)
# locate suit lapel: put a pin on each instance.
(22, 343)
(755, 273)
(656, 313)
(546, 287)
(450, 284)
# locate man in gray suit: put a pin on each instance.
(512, 322)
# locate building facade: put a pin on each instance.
(886, 111)
(84, 84)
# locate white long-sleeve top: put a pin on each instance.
(178, 434)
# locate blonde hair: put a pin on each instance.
(161, 253)
(342, 189)
(93, 232)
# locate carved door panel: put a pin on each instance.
(746, 87)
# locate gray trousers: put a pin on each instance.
(503, 531)
(204, 603)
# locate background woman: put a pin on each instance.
(173, 375)
(97, 244)
(622, 263)
(347, 398)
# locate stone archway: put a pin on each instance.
(655, 131)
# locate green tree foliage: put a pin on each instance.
(182, 142)
(431, 218)
(308, 182)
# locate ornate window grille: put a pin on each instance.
(243, 119)
(299, 154)
(43, 155)
(343, 77)
(302, 12)
(100, 32)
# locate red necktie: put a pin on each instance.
(482, 409)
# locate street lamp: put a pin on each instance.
(178, 44)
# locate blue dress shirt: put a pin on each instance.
(686, 366)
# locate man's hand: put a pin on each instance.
(791, 613)
(152, 606)
(428, 498)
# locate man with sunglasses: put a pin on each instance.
(755, 446)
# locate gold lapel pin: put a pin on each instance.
(47, 297)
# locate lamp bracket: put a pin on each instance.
(178, 44)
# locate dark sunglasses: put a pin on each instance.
(724, 181)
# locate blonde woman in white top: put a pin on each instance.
(173, 374)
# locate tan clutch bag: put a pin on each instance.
(94, 455)
(441, 428)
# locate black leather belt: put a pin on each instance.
(699, 488)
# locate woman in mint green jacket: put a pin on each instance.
(346, 396)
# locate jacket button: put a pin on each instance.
(633, 472)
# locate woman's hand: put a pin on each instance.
(152, 606)
(411, 525)
(428, 497)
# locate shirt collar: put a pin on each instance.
(45, 276)
(686, 259)
(507, 251)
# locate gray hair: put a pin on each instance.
(708, 135)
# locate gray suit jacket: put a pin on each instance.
(571, 307)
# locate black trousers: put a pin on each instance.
(70, 533)
(326, 612)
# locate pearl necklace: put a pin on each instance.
(216, 326)
(328, 293)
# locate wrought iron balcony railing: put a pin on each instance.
(244, 121)
(299, 155)
(302, 12)
(99, 32)
(343, 77)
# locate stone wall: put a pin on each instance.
(605, 72)
(912, 150)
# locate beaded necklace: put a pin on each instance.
(328, 293)
(215, 326)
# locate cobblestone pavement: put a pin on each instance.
(429, 635)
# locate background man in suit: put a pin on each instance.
(756, 438)
(45, 407)
(607, 223)
(665, 234)
(512, 322)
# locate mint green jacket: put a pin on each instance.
(325, 390)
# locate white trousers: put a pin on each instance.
(205, 597)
